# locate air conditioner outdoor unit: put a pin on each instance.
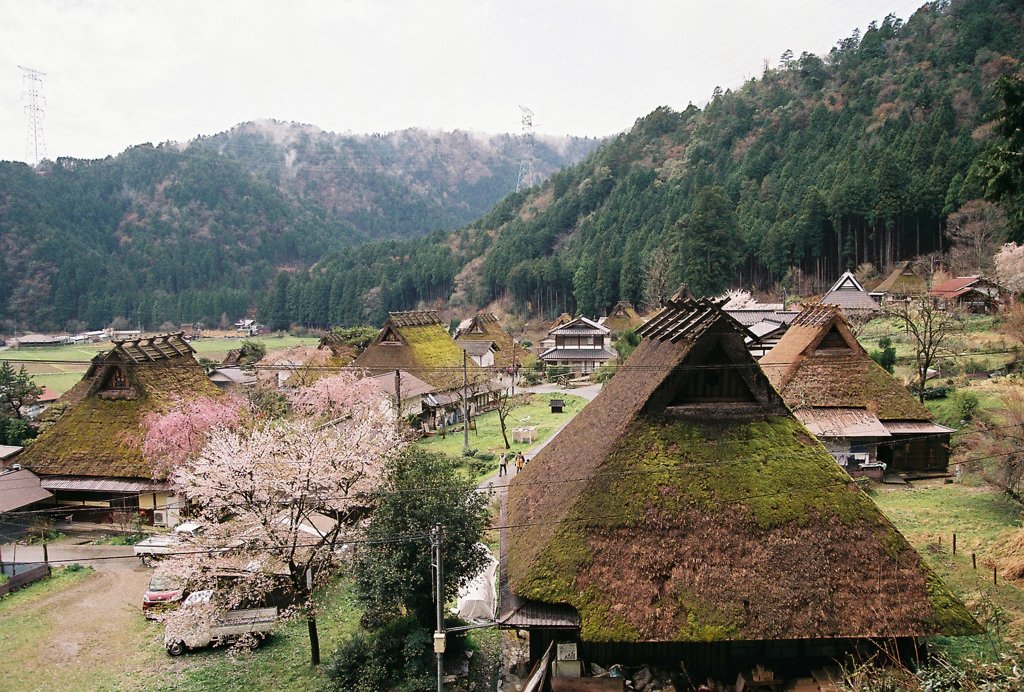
(160, 518)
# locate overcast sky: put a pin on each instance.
(119, 73)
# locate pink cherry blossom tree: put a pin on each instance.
(175, 435)
(292, 488)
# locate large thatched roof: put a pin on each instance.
(416, 342)
(685, 503)
(622, 317)
(484, 327)
(99, 423)
(903, 281)
(818, 362)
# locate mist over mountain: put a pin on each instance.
(196, 231)
(820, 165)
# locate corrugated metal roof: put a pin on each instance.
(9, 451)
(105, 485)
(747, 317)
(601, 354)
(20, 488)
(477, 348)
(841, 422)
(917, 427)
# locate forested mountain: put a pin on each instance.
(197, 232)
(821, 164)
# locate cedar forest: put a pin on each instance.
(817, 166)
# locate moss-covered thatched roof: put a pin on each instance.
(623, 317)
(903, 281)
(818, 362)
(416, 342)
(685, 503)
(484, 326)
(98, 425)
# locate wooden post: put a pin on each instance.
(974, 561)
(954, 543)
(995, 576)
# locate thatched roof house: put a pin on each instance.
(622, 317)
(416, 342)
(685, 514)
(819, 367)
(484, 327)
(91, 451)
(848, 294)
(902, 282)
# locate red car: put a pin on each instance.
(163, 594)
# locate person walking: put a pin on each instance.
(502, 465)
(520, 461)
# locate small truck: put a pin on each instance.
(199, 623)
(162, 544)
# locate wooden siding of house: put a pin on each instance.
(786, 657)
(916, 454)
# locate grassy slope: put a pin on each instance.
(982, 520)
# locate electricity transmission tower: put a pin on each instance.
(526, 172)
(35, 144)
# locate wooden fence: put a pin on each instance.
(22, 573)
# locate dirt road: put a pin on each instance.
(87, 636)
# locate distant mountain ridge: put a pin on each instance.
(195, 232)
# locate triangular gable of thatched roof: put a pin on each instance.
(416, 342)
(819, 362)
(671, 510)
(622, 317)
(98, 425)
(903, 281)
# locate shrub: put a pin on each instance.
(885, 355)
(530, 377)
(395, 657)
(967, 404)
(603, 374)
(555, 372)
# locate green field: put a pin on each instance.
(487, 436)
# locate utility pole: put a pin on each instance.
(436, 541)
(35, 143)
(398, 400)
(515, 368)
(465, 403)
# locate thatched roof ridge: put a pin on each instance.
(809, 370)
(414, 318)
(98, 425)
(665, 521)
(484, 326)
